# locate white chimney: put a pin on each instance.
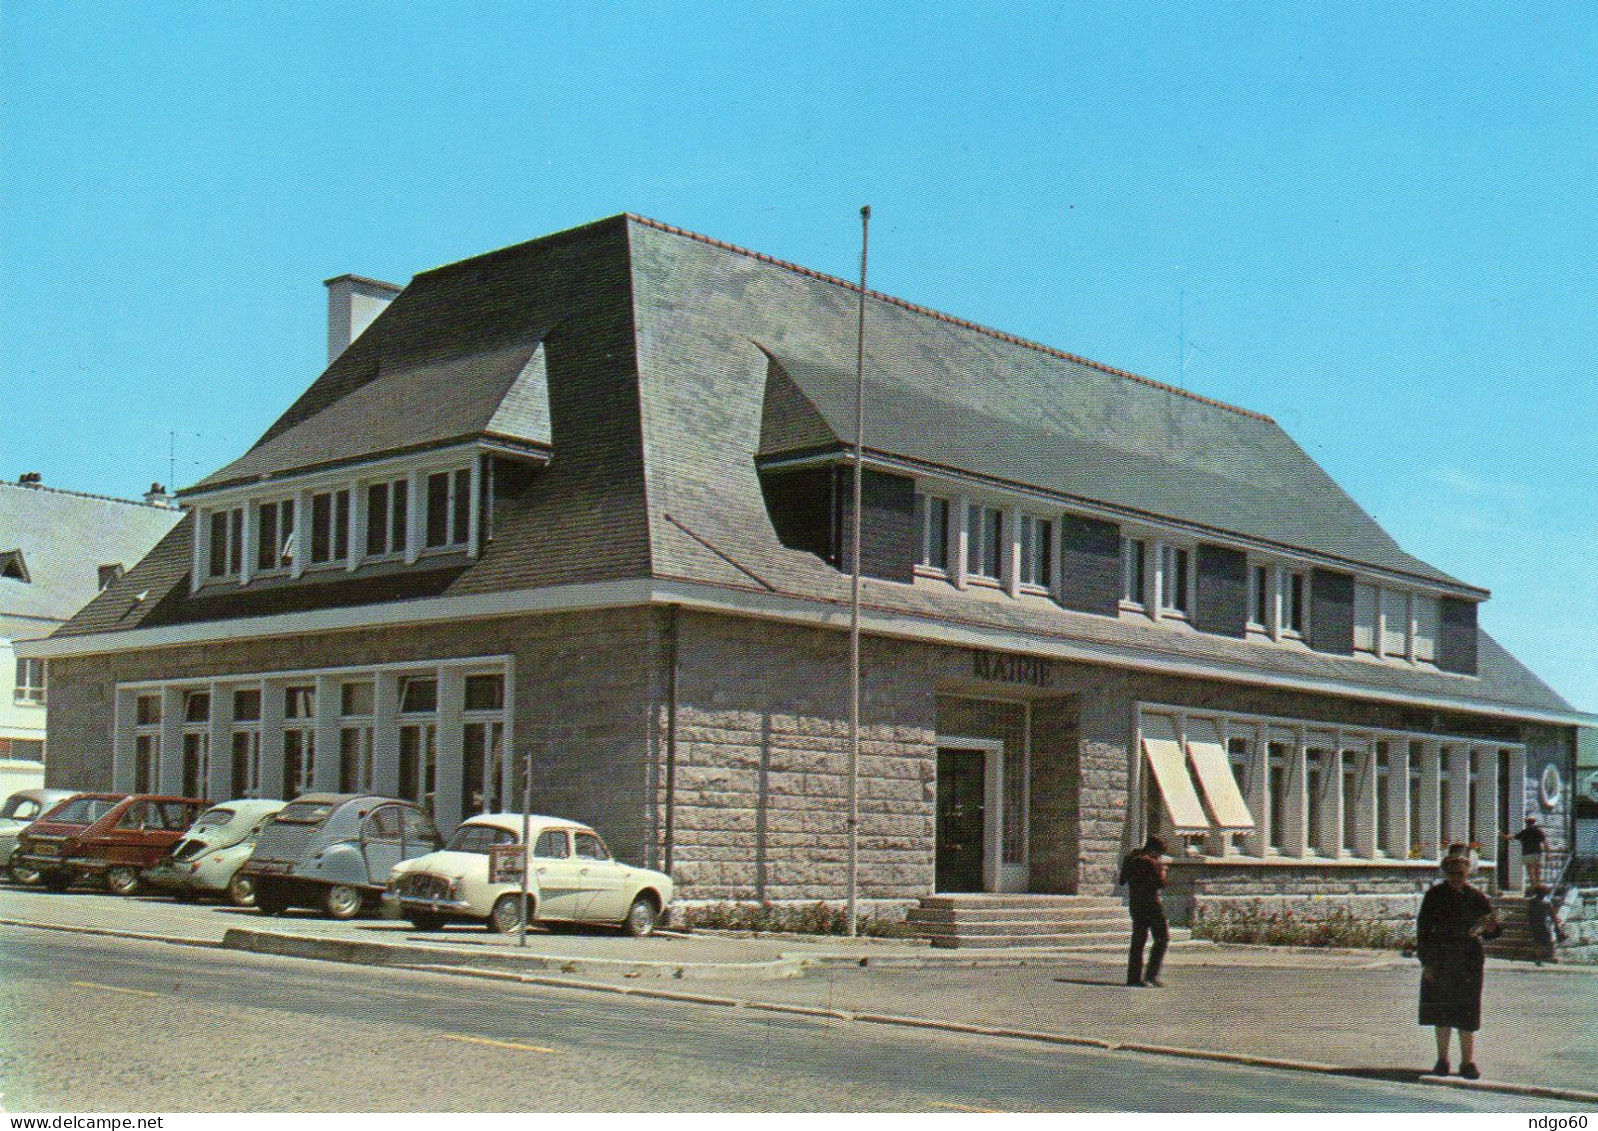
(353, 303)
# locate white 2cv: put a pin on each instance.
(573, 879)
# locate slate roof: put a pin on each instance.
(661, 367)
(65, 537)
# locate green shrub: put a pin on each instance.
(804, 919)
(1338, 927)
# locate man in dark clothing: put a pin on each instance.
(1143, 873)
(1532, 841)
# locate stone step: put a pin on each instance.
(1019, 927)
(1096, 940)
(981, 900)
(1011, 914)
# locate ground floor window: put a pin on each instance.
(1308, 790)
(435, 732)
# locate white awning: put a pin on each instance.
(1164, 755)
(1213, 769)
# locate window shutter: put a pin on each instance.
(1331, 612)
(1456, 651)
(1090, 565)
(889, 537)
(1222, 591)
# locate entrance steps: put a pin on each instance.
(1515, 942)
(1056, 922)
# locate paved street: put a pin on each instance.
(119, 1025)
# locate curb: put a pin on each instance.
(365, 953)
(382, 954)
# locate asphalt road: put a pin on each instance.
(98, 1024)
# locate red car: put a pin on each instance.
(108, 836)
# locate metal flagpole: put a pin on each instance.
(854, 585)
(527, 849)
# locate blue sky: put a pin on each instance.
(1372, 221)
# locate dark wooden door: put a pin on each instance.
(961, 804)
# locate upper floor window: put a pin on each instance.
(330, 526)
(985, 533)
(1037, 551)
(1278, 600)
(299, 702)
(932, 519)
(1175, 575)
(1395, 623)
(387, 517)
(449, 505)
(274, 535)
(30, 681)
(1134, 570)
(226, 542)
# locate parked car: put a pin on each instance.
(70, 843)
(42, 846)
(477, 878)
(207, 861)
(334, 851)
(21, 809)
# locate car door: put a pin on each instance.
(382, 841)
(604, 881)
(560, 890)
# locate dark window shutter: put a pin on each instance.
(1456, 651)
(1090, 565)
(1222, 591)
(889, 537)
(1331, 612)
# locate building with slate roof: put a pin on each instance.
(581, 504)
(57, 550)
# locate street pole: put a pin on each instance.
(854, 586)
(527, 849)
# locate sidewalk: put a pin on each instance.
(1348, 1010)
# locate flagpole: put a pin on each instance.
(854, 586)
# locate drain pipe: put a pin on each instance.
(671, 737)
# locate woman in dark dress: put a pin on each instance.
(1454, 918)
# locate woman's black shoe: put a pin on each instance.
(1440, 1068)
(1469, 1070)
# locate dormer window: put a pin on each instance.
(449, 508)
(387, 511)
(1037, 551)
(274, 536)
(330, 527)
(12, 566)
(986, 538)
(1175, 574)
(227, 542)
(932, 518)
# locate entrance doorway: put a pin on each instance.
(961, 819)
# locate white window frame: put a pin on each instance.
(31, 689)
(924, 508)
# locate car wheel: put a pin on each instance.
(424, 922)
(241, 890)
(26, 875)
(341, 901)
(506, 916)
(122, 881)
(641, 917)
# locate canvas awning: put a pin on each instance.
(1213, 770)
(1163, 752)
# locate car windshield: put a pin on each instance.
(19, 808)
(84, 810)
(305, 812)
(478, 839)
(212, 818)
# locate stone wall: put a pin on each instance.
(1388, 894)
(762, 751)
(1579, 915)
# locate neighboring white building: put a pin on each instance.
(57, 550)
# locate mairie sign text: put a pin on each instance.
(1013, 669)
